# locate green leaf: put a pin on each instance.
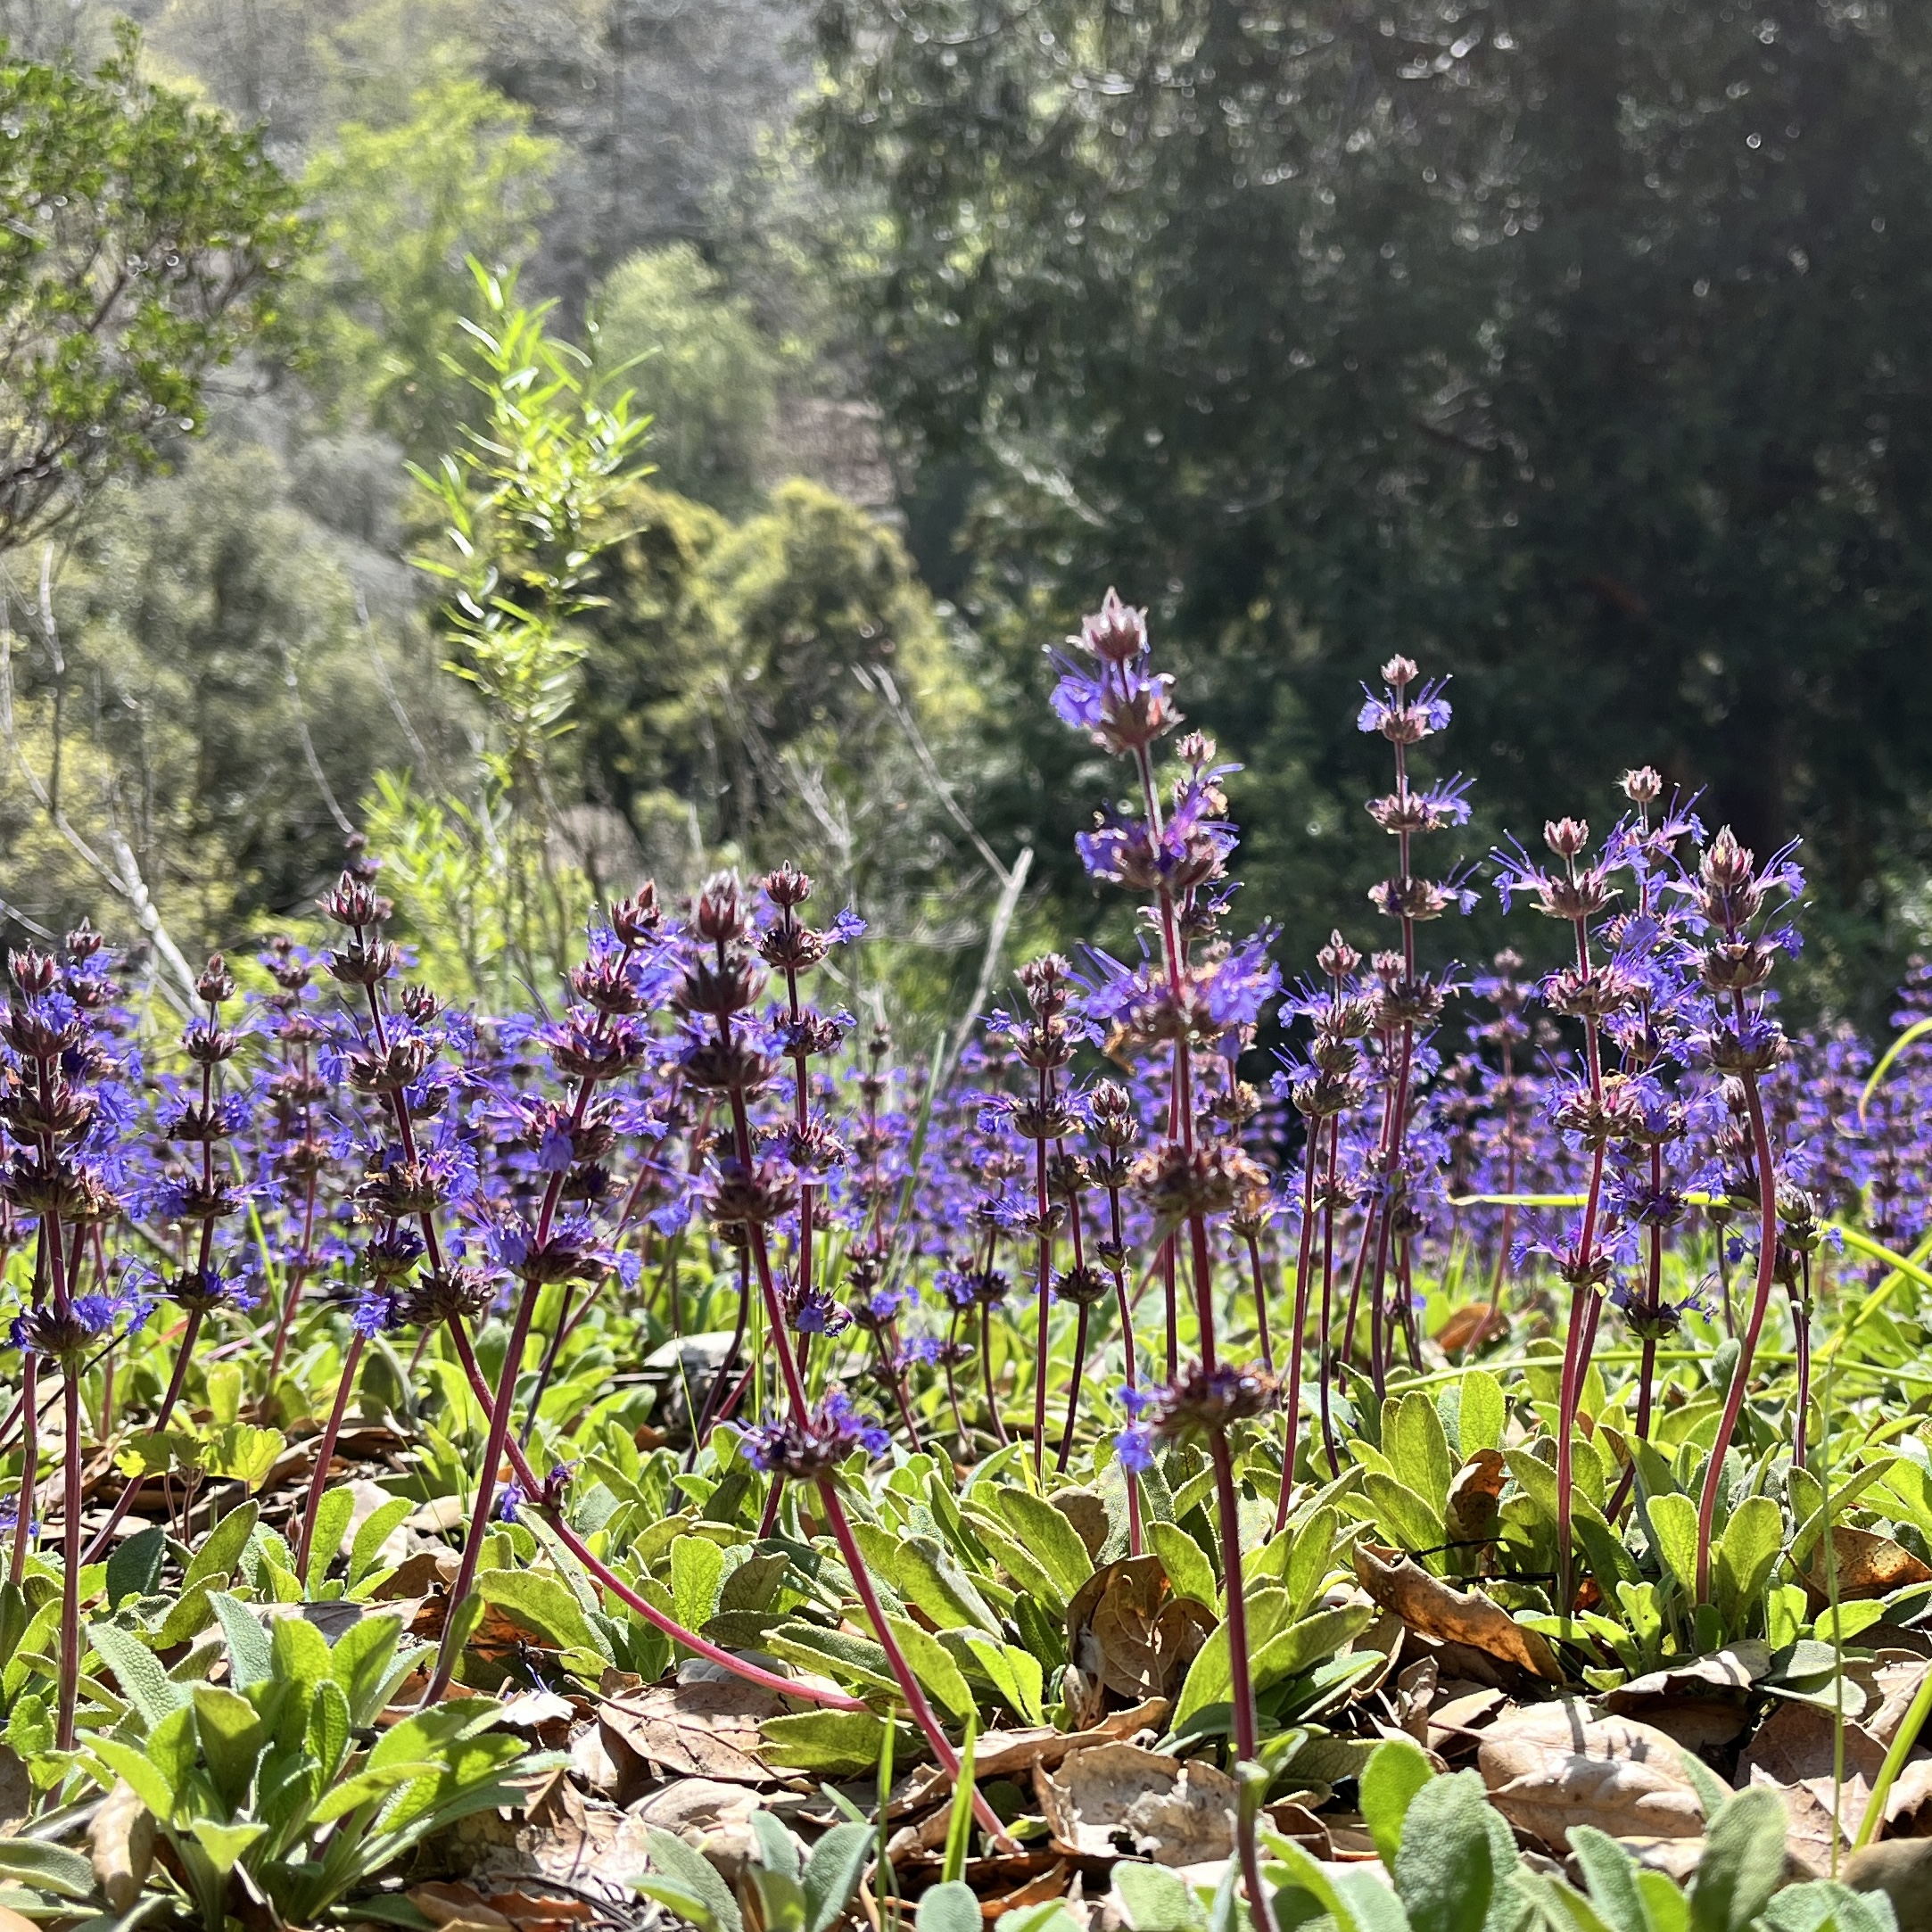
(1353, 1900)
(832, 1873)
(135, 1567)
(1154, 1899)
(837, 1744)
(375, 1530)
(1189, 1571)
(1712, 1793)
(1820, 1905)
(361, 1659)
(191, 1612)
(1610, 1877)
(1312, 1557)
(49, 1868)
(950, 1906)
(1750, 1545)
(301, 1652)
(231, 1736)
(1482, 1413)
(753, 1585)
(332, 1517)
(30, 1729)
(1310, 1639)
(138, 1672)
(1405, 1516)
(934, 1668)
(225, 1844)
(1049, 1536)
(1210, 1676)
(1416, 1444)
(149, 1783)
(220, 1554)
(1445, 1868)
(1018, 1562)
(696, 1576)
(251, 1656)
(1674, 1519)
(373, 1781)
(678, 1899)
(1397, 1770)
(239, 1452)
(1666, 1907)
(931, 1578)
(777, 1850)
(959, 1826)
(1013, 1673)
(546, 1607)
(174, 1744)
(694, 1874)
(1743, 1862)
(328, 1728)
(856, 1660)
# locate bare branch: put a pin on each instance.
(308, 745)
(123, 876)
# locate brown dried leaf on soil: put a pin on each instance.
(704, 1729)
(1550, 1766)
(1436, 1608)
(1112, 1799)
(1127, 1630)
(1006, 1754)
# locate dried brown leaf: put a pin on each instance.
(1869, 1565)
(1426, 1604)
(1127, 1630)
(1902, 1868)
(1006, 1754)
(1896, 1679)
(120, 1841)
(702, 1729)
(1468, 1327)
(1734, 1669)
(530, 1910)
(1114, 1799)
(449, 1904)
(1550, 1766)
(1474, 1492)
(1085, 1510)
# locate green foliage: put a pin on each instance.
(269, 1775)
(216, 649)
(528, 502)
(698, 356)
(403, 209)
(144, 246)
(736, 693)
(1559, 346)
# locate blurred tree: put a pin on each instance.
(1576, 347)
(214, 696)
(659, 106)
(143, 248)
(785, 689)
(402, 209)
(699, 359)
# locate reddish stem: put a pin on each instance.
(325, 1453)
(1767, 1261)
(909, 1685)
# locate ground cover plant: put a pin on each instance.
(1400, 1445)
